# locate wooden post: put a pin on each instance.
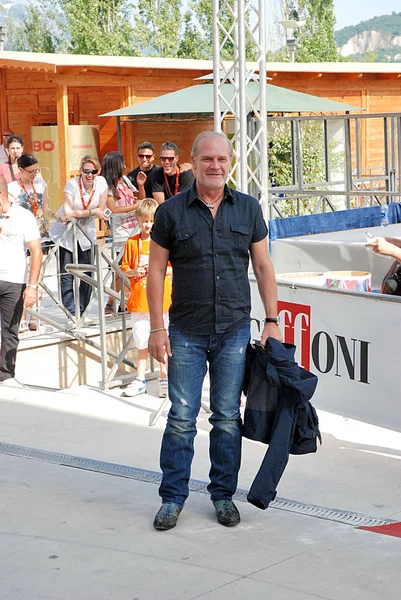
(127, 99)
(365, 158)
(3, 101)
(62, 131)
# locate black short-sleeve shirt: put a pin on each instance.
(150, 175)
(159, 184)
(210, 258)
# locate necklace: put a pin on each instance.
(177, 176)
(211, 205)
(33, 201)
(81, 193)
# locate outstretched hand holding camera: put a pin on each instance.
(387, 246)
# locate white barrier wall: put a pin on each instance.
(352, 342)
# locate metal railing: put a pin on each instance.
(101, 280)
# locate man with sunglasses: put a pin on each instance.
(171, 180)
(4, 156)
(146, 158)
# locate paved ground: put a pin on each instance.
(69, 534)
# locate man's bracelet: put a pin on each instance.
(158, 329)
(32, 285)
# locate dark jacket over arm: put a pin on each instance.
(278, 413)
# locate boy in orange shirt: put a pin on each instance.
(135, 264)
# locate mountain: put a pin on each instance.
(376, 39)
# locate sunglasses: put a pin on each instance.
(33, 171)
(146, 156)
(168, 158)
(90, 171)
(6, 134)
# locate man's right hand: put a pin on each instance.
(141, 178)
(159, 346)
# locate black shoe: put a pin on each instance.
(227, 513)
(167, 516)
(108, 310)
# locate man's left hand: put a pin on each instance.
(271, 330)
(29, 297)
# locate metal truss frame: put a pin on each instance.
(238, 25)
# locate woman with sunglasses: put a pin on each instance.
(85, 199)
(10, 170)
(29, 191)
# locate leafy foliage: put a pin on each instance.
(98, 26)
(316, 41)
(119, 27)
(40, 29)
(197, 39)
(157, 27)
(313, 162)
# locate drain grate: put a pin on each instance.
(98, 466)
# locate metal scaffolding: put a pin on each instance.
(239, 26)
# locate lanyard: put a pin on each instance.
(35, 201)
(85, 205)
(177, 176)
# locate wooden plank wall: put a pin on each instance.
(30, 99)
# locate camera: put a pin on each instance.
(393, 283)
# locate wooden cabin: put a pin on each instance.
(56, 89)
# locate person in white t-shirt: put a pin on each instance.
(18, 282)
(30, 192)
(85, 197)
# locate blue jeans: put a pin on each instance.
(225, 353)
(67, 280)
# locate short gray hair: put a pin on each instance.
(210, 134)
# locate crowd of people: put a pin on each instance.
(98, 191)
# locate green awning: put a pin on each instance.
(198, 100)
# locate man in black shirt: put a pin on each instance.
(208, 234)
(170, 180)
(146, 158)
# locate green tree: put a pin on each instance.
(280, 155)
(99, 27)
(39, 29)
(316, 42)
(197, 37)
(157, 27)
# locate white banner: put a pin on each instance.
(351, 342)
